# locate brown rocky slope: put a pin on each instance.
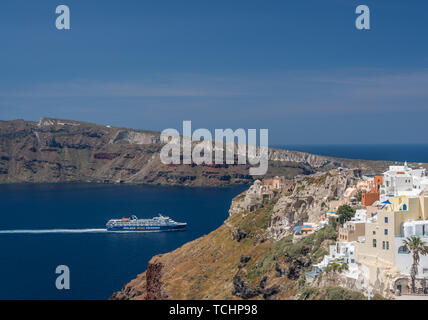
(54, 150)
(247, 257)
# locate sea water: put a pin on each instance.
(43, 226)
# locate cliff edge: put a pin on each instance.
(252, 255)
(55, 150)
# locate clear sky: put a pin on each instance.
(298, 68)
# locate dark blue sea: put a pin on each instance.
(99, 262)
(390, 152)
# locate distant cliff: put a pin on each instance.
(252, 254)
(55, 150)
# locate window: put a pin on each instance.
(387, 245)
(425, 271)
(403, 250)
(385, 232)
(383, 245)
(374, 232)
(374, 243)
(386, 219)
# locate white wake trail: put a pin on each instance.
(53, 231)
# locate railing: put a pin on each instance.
(419, 292)
(413, 235)
(136, 224)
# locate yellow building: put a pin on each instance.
(381, 256)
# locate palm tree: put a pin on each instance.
(416, 246)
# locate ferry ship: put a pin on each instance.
(159, 223)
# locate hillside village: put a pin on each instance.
(287, 239)
(371, 250)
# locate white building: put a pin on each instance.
(404, 258)
(360, 215)
(403, 180)
(341, 252)
(321, 224)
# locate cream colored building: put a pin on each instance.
(355, 228)
(379, 255)
(351, 231)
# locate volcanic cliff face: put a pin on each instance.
(308, 199)
(54, 150)
(252, 254)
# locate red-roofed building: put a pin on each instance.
(368, 198)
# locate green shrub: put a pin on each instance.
(345, 213)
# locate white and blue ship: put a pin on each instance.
(160, 223)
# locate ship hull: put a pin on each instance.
(146, 228)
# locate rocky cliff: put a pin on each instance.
(252, 254)
(54, 150)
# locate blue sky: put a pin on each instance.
(299, 68)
